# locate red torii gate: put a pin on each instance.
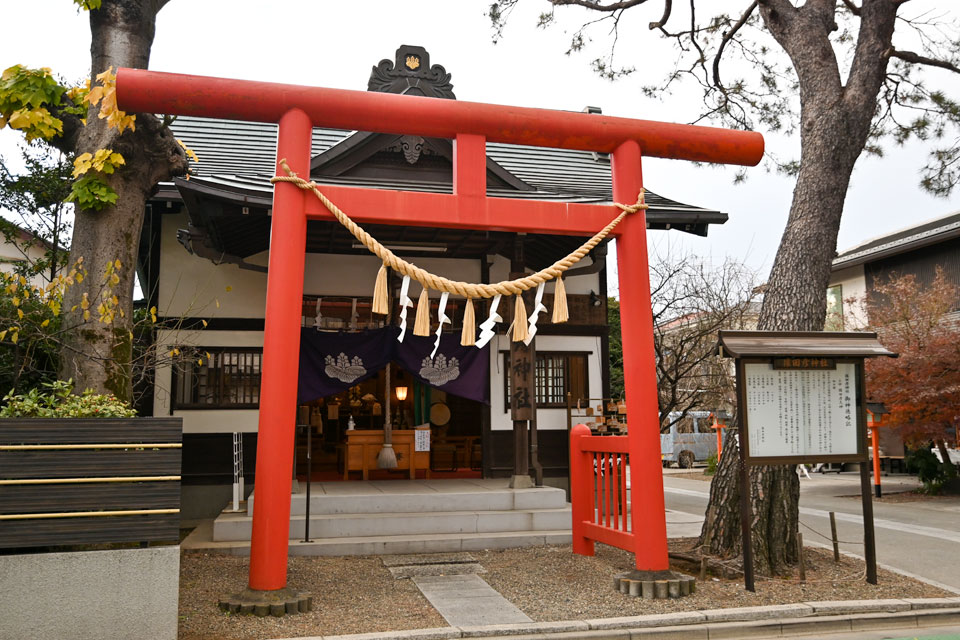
(297, 109)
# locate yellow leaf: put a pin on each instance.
(217, 303)
(15, 301)
(3, 334)
(204, 323)
(45, 322)
(14, 337)
(199, 361)
(86, 315)
(20, 313)
(114, 279)
(229, 288)
(209, 357)
(130, 335)
(118, 264)
(93, 96)
(187, 150)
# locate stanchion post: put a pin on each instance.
(581, 490)
(745, 511)
(875, 443)
(833, 537)
(306, 521)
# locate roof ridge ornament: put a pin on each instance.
(411, 72)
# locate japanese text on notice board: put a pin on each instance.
(801, 412)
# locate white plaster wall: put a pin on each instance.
(192, 286)
(853, 285)
(204, 420)
(546, 418)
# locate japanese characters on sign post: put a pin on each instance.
(521, 384)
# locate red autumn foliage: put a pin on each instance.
(921, 388)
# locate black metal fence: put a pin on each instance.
(89, 481)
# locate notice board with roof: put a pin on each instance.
(801, 394)
(801, 399)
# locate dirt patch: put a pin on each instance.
(359, 595)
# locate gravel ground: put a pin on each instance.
(350, 595)
(358, 594)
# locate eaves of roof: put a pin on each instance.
(916, 237)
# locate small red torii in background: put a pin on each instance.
(297, 109)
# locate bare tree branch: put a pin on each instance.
(854, 9)
(915, 58)
(596, 6)
(667, 8)
(727, 36)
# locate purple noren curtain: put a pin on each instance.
(332, 362)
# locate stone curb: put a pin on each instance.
(714, 624)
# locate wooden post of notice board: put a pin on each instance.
(802, 399)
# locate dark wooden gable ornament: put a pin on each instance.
(411, 73)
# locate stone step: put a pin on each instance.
(388, 545)
(420, 500)
(238, 526)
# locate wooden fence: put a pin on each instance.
(89, 481)
(598, 491)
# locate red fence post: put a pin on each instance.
(280, 367)
(581, 489)
(639, 373)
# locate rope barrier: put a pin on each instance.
(439, 283)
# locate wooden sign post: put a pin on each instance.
(802, 400)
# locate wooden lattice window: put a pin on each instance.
(558, 372)
(217, 378)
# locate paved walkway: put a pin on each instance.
(468, 601)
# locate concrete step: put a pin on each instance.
(414, 499)
(238, 526)
(388, 545)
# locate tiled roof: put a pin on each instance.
(237, 155)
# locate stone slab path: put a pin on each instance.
(467, 600)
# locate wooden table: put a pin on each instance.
(363, 447)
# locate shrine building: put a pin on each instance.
(203, 262)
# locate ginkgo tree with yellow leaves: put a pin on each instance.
(118, 160)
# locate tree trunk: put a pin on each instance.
(98, 354)
(834, 125)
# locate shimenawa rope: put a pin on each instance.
(439, 283)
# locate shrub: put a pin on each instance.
(59, 402)
(711, 465)
(932, 473)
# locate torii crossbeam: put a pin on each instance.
(471, 125)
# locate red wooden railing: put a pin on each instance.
(598, 491)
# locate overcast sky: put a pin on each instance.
(335, 44)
